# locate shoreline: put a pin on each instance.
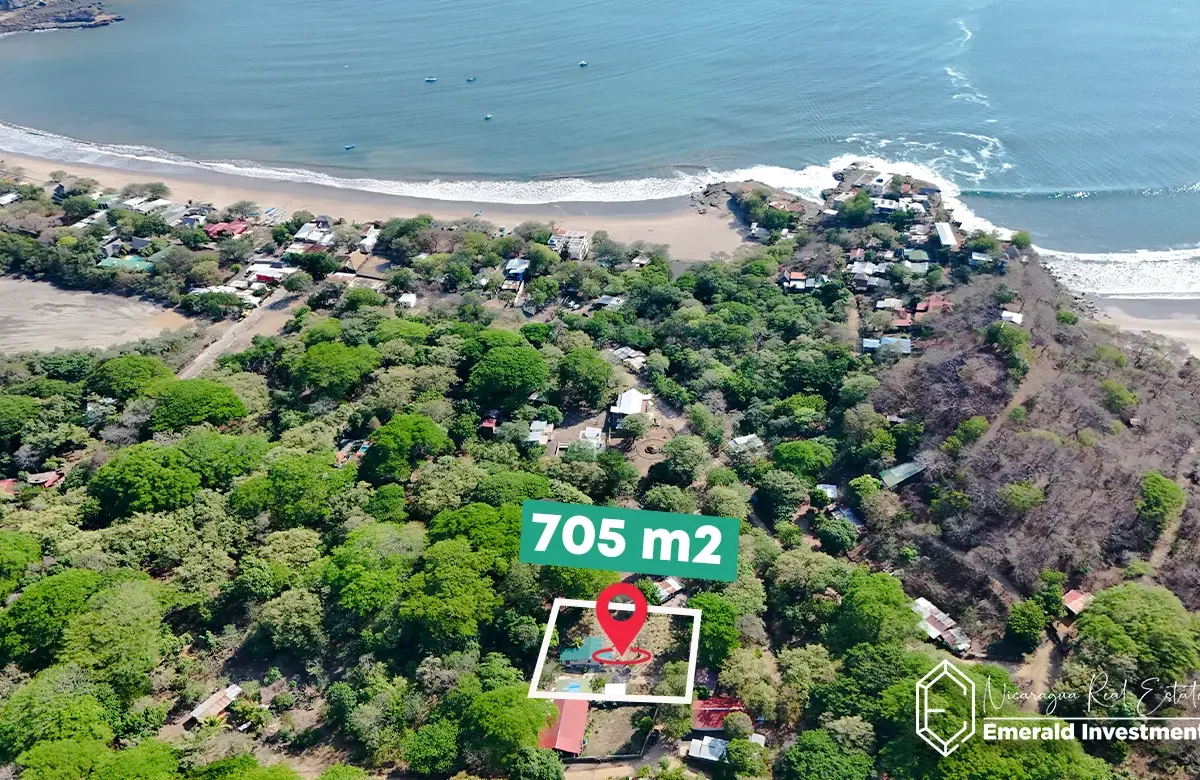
(675, 221)
(1173, 318)
(692, 236)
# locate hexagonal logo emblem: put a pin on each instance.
(943, 733)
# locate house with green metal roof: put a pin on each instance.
(126, 263)
(897, 474)
(582, 656)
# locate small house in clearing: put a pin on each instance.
(632, 401)
(899, 473)
(581, 657)
(1076, 601)
(712, 749)
(938, 625)
(667, 589)
(214, 705)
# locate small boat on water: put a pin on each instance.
(470, 79)
(350, 146)
(487, 117)
(583, 63)
(430, 79)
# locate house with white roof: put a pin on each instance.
(632, 401)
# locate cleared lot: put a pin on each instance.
(38, 316)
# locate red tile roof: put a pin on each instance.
(709, 714)
(567, 732)
(8, 487)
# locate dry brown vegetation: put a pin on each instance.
(1086, 459)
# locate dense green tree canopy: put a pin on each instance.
(506, 376)
(143, 478)
(184, 402)
(126, 376)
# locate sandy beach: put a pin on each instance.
(1175, 319)
(690, 235)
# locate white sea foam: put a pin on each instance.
(1153, 274)
(965, 90)
(968, 34)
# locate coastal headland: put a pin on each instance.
(39, 15)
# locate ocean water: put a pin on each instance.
(1079, 122)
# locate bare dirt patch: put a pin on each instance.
(38, 316)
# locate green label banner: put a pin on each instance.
(633, 540)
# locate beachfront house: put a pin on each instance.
(945, 234)
(367, 244)
(575, 242)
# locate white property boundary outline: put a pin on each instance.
(686, 698)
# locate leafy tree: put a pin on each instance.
(536, 764)
(407, 330)
(572, 583)
(815, 754)
(16, 551)
(433, 748)
(510, 487)
(686, 457)
(185, 402)
(344, 772)
(636, 425)
(837, 534)
(856, 211)
(445, 602)
(486, 527)
(1026, 624)
(143, 478)
(299, 282)
(15, 412)
(781, 493)
(737, 725)
(1021, 240)
(119, 637)
(1143, 623)
(218, 458)
(124, 377)
(584, 378)
(32, 627)
(862, 488)
(726, 502)
(292, 623)
(76, 207)
(874, 609)
(334, 369)
(718, 627)
(61, 702)
(299, 489)
(1017, 498)
(506, 376)
(499, 723)
(1160, 501)
(808, 459)
(669, 498)
(856, 388)
(65, 759)
(397, 446)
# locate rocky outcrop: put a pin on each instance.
(31, 15)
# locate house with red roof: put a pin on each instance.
(709, 714)
(235, 228)
(566, 735)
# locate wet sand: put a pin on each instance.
(1174, 318)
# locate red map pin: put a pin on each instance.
(621, 632)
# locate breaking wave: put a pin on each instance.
(1143, 273)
